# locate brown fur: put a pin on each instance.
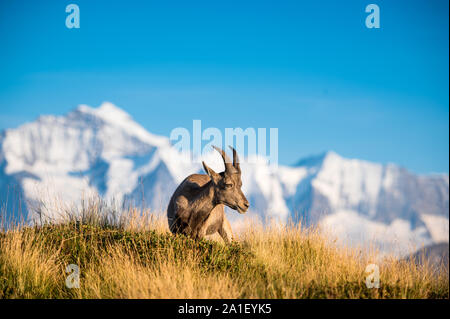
(196, 208)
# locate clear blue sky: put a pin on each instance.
(312, 69)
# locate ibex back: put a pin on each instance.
(196, 208)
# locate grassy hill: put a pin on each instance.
(139, 258)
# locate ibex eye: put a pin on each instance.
(228, 185)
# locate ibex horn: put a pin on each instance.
(235, 159)
(226, 159)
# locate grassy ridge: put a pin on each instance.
(141, 259)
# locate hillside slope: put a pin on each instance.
(139, 258)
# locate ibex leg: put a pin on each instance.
(226, 232)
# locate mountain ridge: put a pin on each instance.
(103, 150)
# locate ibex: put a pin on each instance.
(196, 208)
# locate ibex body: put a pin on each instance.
(196, 208)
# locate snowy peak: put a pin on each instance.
(107, 111)
(104, 151)
(314, 160)
(110, 115)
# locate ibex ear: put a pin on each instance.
(214, 176)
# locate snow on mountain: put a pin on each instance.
(362, 202)
(57, 160)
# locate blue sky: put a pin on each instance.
(311, 69)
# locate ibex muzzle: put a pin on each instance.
(197, 205)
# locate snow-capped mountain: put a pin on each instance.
(57, 160)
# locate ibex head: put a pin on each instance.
(227, 185)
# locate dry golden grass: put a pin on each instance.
(137, 257)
